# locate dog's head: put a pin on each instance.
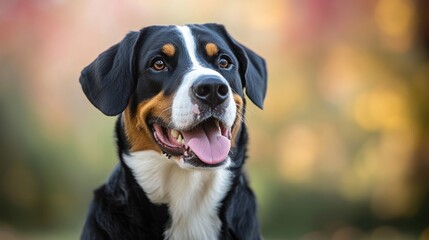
(179, 89)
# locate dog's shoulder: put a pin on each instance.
(117, 205)
(239, 211)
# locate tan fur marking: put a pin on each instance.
(169, 49)
(138, 133)
(239, 118)
(212, 49)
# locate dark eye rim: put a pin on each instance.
(158, 69)
(228, 59)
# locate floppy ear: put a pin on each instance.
(254, 71)
(109, 80)
(252, 67)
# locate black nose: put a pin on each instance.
(211, 90)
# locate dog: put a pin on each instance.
(178, 92)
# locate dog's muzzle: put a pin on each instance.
(206, 113)
(210, 90)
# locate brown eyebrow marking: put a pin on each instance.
(211, 49)
(168, 49)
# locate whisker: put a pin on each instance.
(251, 111)
(159, 117)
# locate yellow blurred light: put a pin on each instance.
(340, 73)
(361, 112)
(263, 15)
(380, 109)
(299, 147)
(395, 17)
(285, 96)
(387, 108)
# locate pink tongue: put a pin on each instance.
(207, 142)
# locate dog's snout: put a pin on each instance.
(211, 91)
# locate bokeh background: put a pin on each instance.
(341, 150)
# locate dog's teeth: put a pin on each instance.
(174, 133)
(179, 138)
(217, 123)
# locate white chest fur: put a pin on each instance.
(193, 196)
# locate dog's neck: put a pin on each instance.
(192, 196)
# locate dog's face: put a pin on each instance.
(179, 89)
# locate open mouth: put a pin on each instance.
(206, 144)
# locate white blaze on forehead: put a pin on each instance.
(182, 111)
(190, 46)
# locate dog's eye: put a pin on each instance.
(224, 62)
(158, 64)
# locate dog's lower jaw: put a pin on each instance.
(193, 196)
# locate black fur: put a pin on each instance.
(121, 209)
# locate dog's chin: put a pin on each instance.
(197, 164)
(205, 145)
